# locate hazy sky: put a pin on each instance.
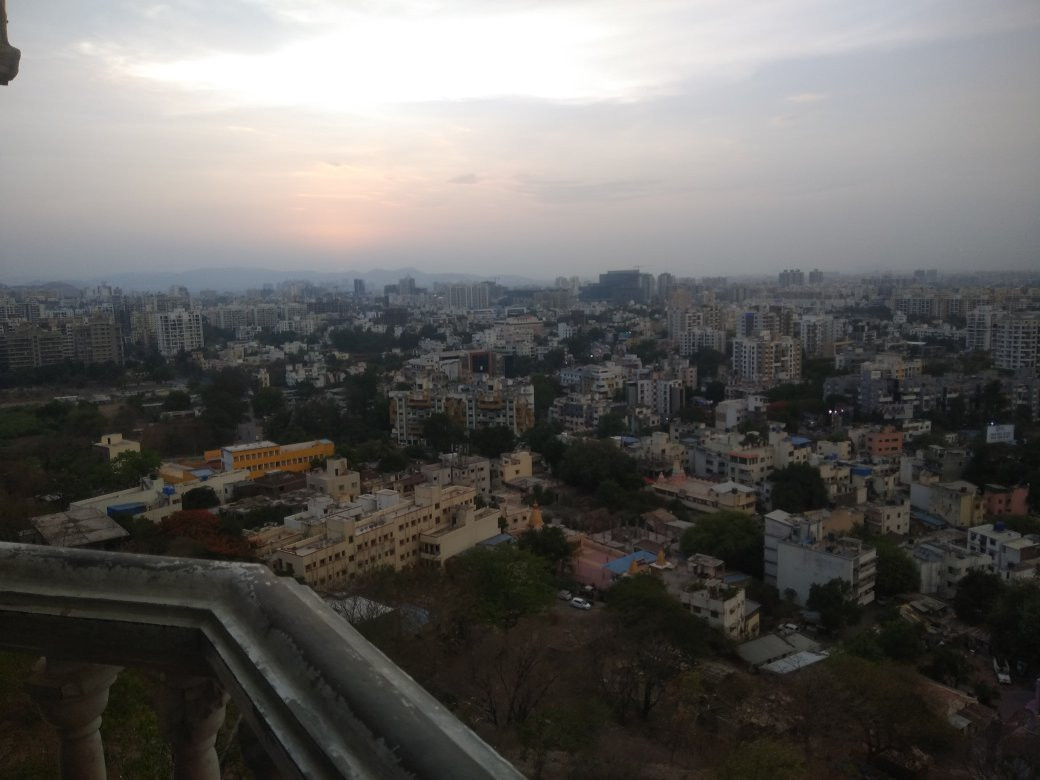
(537, 137)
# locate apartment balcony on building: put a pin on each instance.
(321, 700)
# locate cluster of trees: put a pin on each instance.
(734, 537)
(1011, 612)
(192, 533)
(1007, 464)
(72, 373)
(652, 640)
(362, 416)
(798, 488)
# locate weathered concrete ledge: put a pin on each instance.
(321, 698)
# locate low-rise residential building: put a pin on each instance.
(155, 499)
(336, 479)
(886, 442)
(727, 458)
(999, 500)
(890, 517)
(958, 503)
(1012, 555)
(798, 554)
(265, 456)
(468, 528)
(455, 469)
(943, 562)
(705, 496)
(723, 606)
(513, 466)
(380, 530)
(112, 445)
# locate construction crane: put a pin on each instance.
(9, 55)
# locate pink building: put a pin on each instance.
(1000, 500)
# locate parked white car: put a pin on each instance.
(580, 603)
(1002, 671)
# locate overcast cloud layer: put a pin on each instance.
(535, 138)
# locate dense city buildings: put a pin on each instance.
(846, 419)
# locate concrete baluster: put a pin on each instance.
(72, 695)
(190, 711)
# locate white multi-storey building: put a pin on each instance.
(1015, 341)
(178, 331)
(798, 555)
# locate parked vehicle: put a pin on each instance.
(580, 603)
(564, 595)
(1002, 671)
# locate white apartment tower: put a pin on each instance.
(178, 330)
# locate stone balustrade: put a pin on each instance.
(321, 700)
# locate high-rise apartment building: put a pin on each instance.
(1015, 341)
(177, 331)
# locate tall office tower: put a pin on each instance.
(359, 288)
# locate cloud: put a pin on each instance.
(466, 178)
(342, 56)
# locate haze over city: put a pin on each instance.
(520, 138)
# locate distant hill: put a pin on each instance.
(239, 279)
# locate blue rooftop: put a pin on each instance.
(130, 508)
(800, 441)
(621, 565)
(494, 541)
(862, 471)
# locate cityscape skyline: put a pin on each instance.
(529, 141)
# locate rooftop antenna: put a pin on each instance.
(9, 55)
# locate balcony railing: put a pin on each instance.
(321, 699)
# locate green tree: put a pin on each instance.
(948, 666)
(503, 584)
(715, 392)
(128, 468)
(586, 464)
(393, 461)
(492, 441)
(612, 424)
(564, 728)
(836, 604)
(896, 571)
(551, 544)
(1015, 622)
(442, 432)
(203, 497)
(798, 488)
(654, 639)
(734, 537)
(268, 401)
(901, 640)
(544, 439)
(887, 703)
(546, 390)
(976, 596)
(177, 401)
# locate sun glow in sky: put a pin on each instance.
(693, 136)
